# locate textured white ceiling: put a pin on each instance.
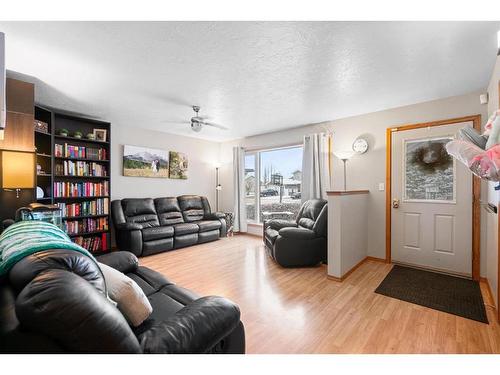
(253, 77)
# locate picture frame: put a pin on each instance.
(100, 135)
(178, 165)
(139, 161)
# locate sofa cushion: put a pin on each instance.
(192, 207)
(157, 233)
(141, 211)
(168, 211)
(207, 225)
(185, 228)
(129, 297)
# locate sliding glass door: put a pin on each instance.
(273, 183)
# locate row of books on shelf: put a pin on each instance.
(94, 243)
(82, 152)
(85, 225)
(80, 168)
(81, 189)
(94, 207)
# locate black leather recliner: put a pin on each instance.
(302, 242)
(54, 302)
(147, 226)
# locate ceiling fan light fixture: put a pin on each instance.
(196, 126)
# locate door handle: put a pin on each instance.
(395, 203)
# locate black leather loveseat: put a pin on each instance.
(302, 242)
(54, 302)
(147, 226)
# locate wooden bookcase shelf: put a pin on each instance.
(49, 164)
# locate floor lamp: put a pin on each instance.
(218, 188)
(344, 156)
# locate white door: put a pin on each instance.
(432, 201)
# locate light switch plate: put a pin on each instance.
(381, 186)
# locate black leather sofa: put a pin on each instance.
(146, 226)
(302, 242)
(54, 302)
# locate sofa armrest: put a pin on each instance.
(123, 261)
(215, 216)
(196, 328)
(278, 224)
(129, 226)
(297, 233)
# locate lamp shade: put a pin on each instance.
(18, 170)
(344, 155)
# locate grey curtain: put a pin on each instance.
(240, 214)
(316, 170)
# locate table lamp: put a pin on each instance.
(18, 170)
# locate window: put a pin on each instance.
(250, 186)
(273, 183)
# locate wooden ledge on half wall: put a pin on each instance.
(347, 192)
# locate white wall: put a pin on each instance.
(493, 197)
(348, 224)
(368, 170)
(202, 156)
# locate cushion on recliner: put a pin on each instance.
(192, 207)
(141, 211)
(271, 235)
(185, 228)
(310, 212)
(157, 233)
(168, 211)
(306, 222)
(208, 225)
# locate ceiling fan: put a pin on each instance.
(197, 122)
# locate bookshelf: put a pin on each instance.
(74, 173)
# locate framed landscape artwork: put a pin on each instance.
(145, 162)
(178, 165)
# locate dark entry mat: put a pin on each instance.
(446, 293)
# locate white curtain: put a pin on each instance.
(240, 213)
(316, 170)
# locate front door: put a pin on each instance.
(431, 201)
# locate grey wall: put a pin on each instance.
(368, 170)
(201, 174)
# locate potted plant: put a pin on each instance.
(78, 134)
(91, 136)
(64, 132)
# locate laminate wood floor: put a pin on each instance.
(301, 311)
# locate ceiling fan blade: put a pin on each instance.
(215, 125)
(175, 122)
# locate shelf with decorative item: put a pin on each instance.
(82, 140)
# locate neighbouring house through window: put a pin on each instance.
(273, 183)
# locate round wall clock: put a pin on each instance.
(360, 146)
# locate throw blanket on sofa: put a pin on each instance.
(28, 237)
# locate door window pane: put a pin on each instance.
(280, 183)
(429, 171)
(250, 186)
